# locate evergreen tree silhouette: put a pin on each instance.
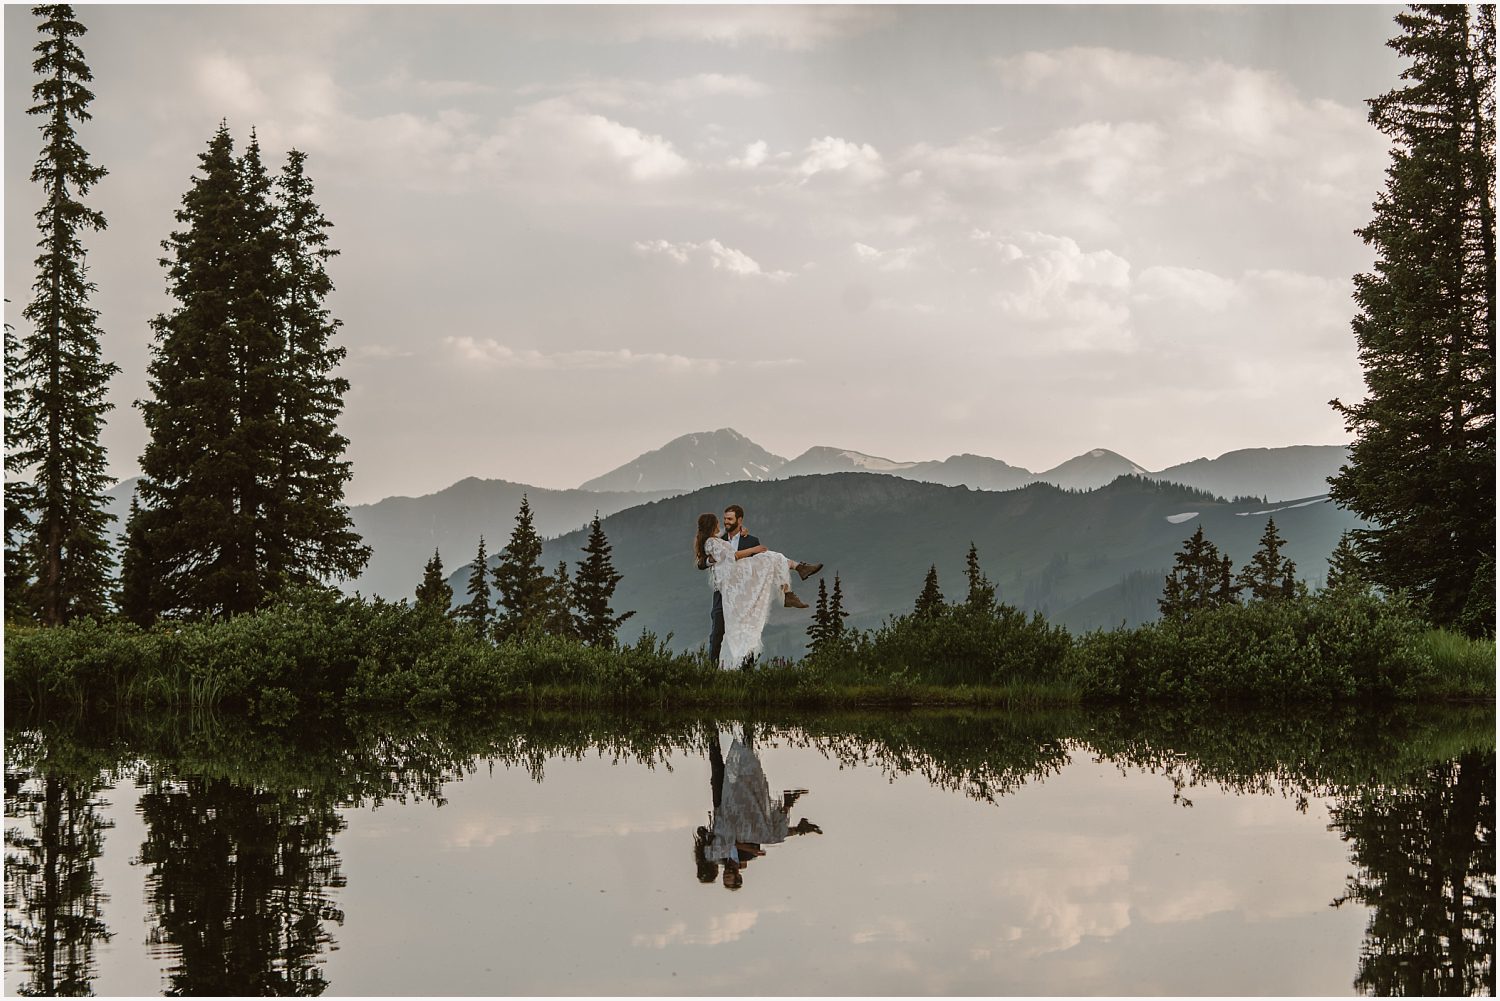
(524, 588)
(56, 379)
(477, 611)
(1268, 575)
(981, 591)
(594, 590)
(930, 601)
(1422, 467)
(434, 591)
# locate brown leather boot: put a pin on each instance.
(792, 601)
(806, 570)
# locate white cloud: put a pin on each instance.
(755, 155)
(719, 929)
(859, 162)
(796, 28)
(1191, 287)
(487, 352)
(719, 257)
(896, 259)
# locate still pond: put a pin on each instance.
(1086, 852)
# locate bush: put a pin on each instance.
(960, 645)
(1333, 646)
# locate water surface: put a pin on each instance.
(1075, 853)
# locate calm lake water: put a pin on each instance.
(936, 853)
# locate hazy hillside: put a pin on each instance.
(1294, 471)
(403, 530)
(1086, 559)
(692, 461)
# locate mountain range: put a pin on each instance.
(404, 531)
(1087, 560)
(707, 458)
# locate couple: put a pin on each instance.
(747, 578)
(745, 818)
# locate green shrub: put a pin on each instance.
(1333, 646)
(959, 645)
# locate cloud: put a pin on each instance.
(831, 155)
(1044, 281)
(637, 94)
(489, 353)
(755, 155)
(719, 929)
(719, 257)
(1190, 287)
(897, 259)
(796, 28)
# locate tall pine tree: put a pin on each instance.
(243, 472)
(477, 611)
(837, 632)
(594, 590)
(316, 538)
(1422, 466)
(434, 592)
(930, 601)
(1200, 578)
(981, 591)
(1345, 570)
(818, 630)
(560, 619)
(58, 373)
(523, 585)
(1268, 575)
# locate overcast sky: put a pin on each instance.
(570, 234)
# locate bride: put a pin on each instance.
(749, 580)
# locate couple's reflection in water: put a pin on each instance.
(745, 818)
(236, 837)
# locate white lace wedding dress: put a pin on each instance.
(746, 811)
(751, 587)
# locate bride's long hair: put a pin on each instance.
(708, 526)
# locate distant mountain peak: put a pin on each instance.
(691, 461)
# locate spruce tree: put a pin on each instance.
(434, 592)
(18, 496)
(1200, 578)
(836, 614)
(1345, 568)
(56, 414)
(138, 580)
(981, 591)
(594, 590)
(243, 475)
(560, 619)
(930, 601)
(1422, 466)
(520, 580)
(818, 632)
(195, 517)
(477, 611)
(317, 534)
(1268, 575)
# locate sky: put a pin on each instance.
(568, 235)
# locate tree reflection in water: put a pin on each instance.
(239, 887)
(243, 872)
(1425, 852)
(53, 901)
